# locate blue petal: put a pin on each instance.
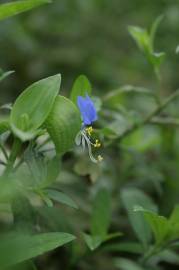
(87, 109)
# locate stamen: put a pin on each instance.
(100, 158)
(83, 138)
(89, 148)
(89, 130)
(97, 144)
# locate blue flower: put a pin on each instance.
(87, 109)
(89, 115)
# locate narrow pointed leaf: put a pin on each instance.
(14, 8)
(16, 248)
(153, 30)
(141, 37)
(4, 75)
(61, 197)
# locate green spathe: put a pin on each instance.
(63, 124)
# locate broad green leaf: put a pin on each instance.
(141, 37)
(4, 75)
(61, 198)
(33, 106)
(29, 265)
(101, 214)
(81, 87)
(130, 198)
(16, 248)
(159, 224)
(16, 7)
(63, 124)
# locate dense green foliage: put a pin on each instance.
(64, 203)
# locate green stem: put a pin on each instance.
(14, 153)
(169, 121)
(158, 90)
(4, 151)
(147, 119)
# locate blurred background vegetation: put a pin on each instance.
(91, 37)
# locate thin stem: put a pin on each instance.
(128, 89)
(18, 164)
(147, 119)
(14, 153)
(165, 121)
(4, 151)
(158, 90)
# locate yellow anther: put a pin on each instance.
(97, 144)
(100, 158)
(89, 130)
